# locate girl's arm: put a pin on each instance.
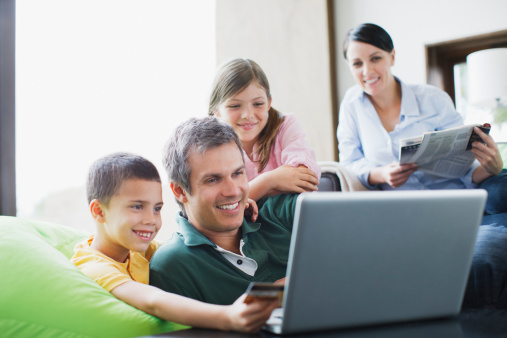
(284, 179)
(168, 306)
(297, 169)
(293, 146)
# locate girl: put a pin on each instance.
(278, 158)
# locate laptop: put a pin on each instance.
(367, 258)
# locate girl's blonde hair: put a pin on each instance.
(231, 78)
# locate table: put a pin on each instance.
(470, 323)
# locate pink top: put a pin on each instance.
(290, 147)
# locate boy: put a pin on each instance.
(125, 198)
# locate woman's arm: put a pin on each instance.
(168, 306)
(488, 156)
(393, 174)
(350, 144)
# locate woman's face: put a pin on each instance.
(370, 66)
(246, 112)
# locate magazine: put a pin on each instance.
(444, 153)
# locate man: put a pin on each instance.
(217, 252)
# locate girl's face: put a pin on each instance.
(246, 112)
(370, 66)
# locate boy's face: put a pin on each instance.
(219, 190)
(133, 216)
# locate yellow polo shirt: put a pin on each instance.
(109, 273)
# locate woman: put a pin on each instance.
(381, 110)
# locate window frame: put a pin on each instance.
(441, 57)
(7, 108)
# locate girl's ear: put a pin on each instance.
(216, 113)
(97, 211)
(269, 103)
(179, 193)
(392, 57)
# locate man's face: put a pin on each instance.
(219, 190)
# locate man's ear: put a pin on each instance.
(179, 193)
(97, 211)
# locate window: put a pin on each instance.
(475, 115)
(99, 76)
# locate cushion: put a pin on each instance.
(43, 294)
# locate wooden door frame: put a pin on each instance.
(441, 57)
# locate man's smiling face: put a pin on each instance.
(219, 189)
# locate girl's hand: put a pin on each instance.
(487, 155)
(394, 174)
(251, 210)
(288, 179)
(249, 317)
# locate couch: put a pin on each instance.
(42, 294)
(336, 177)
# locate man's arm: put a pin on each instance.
(237, 317)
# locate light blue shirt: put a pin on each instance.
(364, 143)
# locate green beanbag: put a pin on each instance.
(42, 294)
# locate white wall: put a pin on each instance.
(289, 40)
(414, 24)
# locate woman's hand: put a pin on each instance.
(488, 156)
(249, 317)
(394, 174)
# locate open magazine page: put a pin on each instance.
(443, 153)
(454, 166)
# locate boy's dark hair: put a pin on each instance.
(108, 173)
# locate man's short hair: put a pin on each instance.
(196, 134)
(108, 173)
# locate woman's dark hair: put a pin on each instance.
(371, 34)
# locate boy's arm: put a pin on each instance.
(168, 306)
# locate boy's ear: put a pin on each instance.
(97, 211)
(179, 193)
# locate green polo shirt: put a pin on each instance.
(189, 265)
